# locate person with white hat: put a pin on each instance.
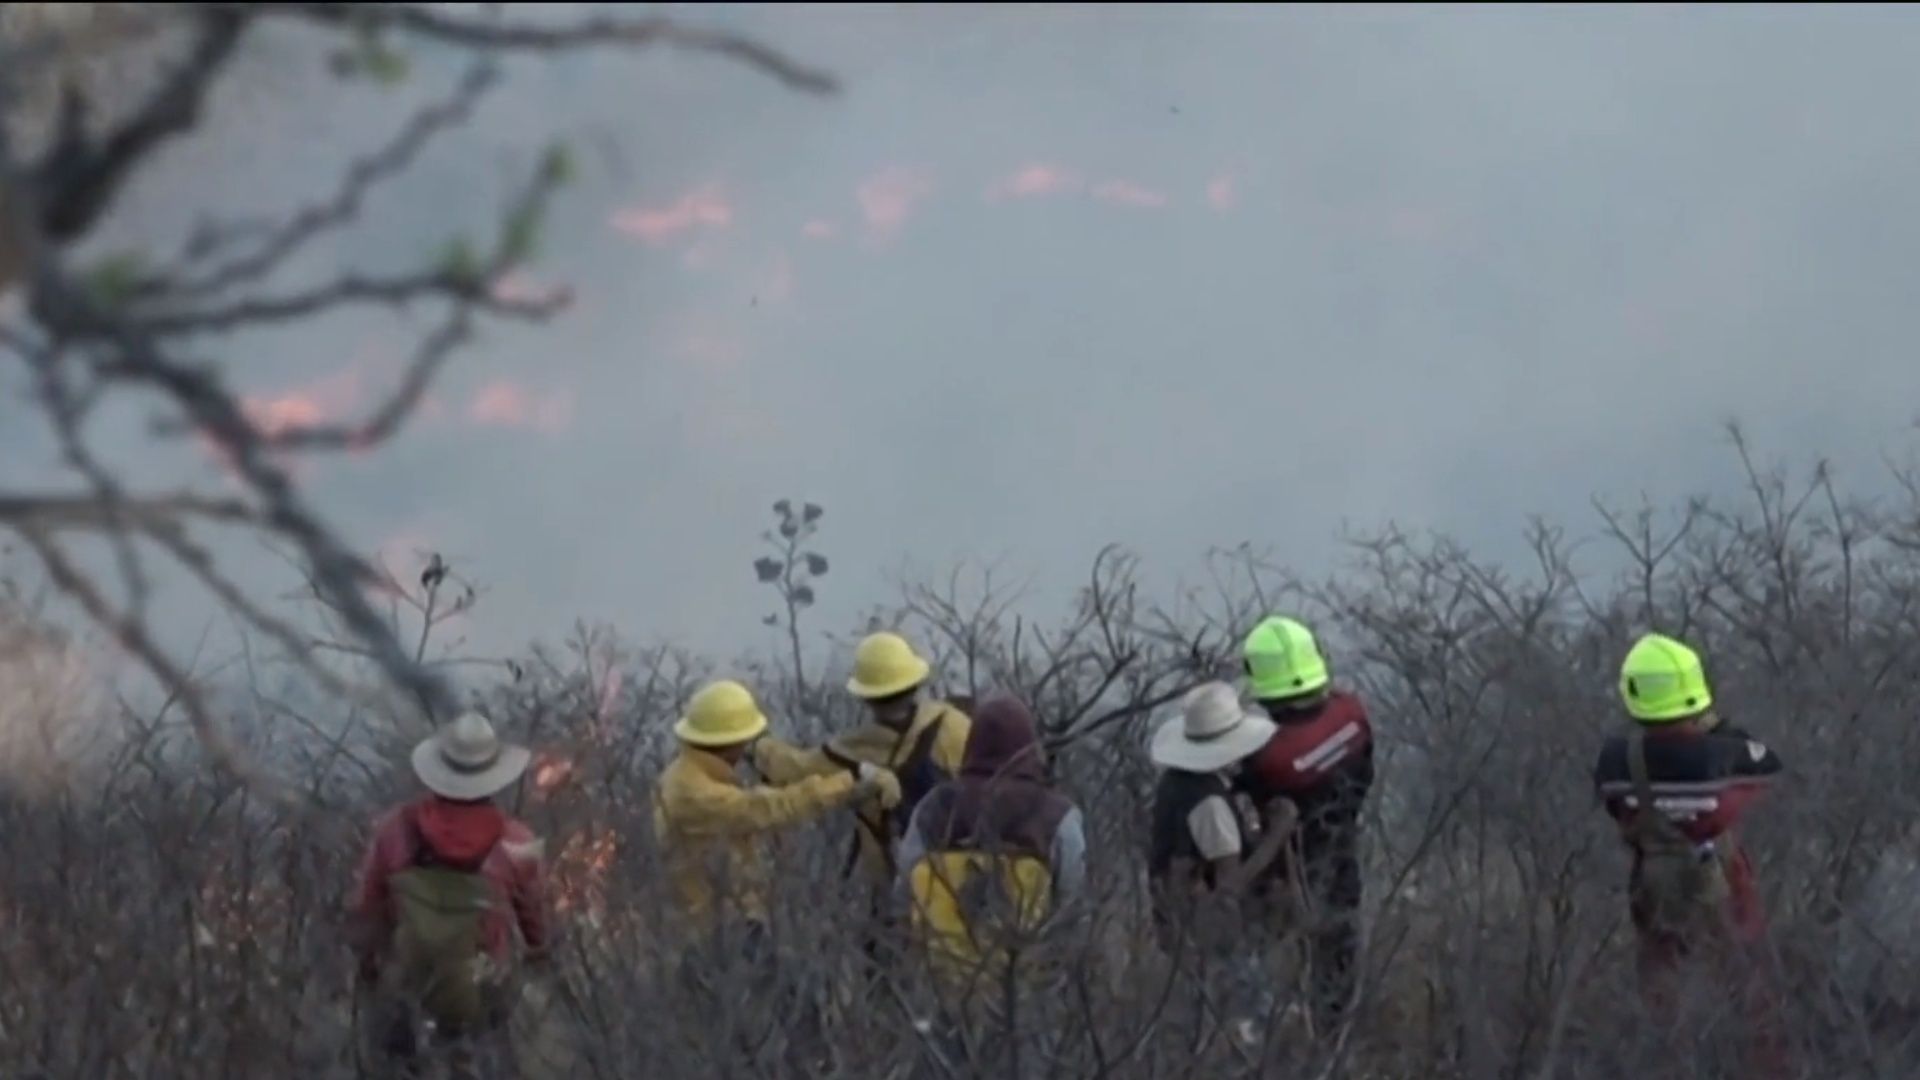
(1200, 844)
(446, 881)
(1202, 857)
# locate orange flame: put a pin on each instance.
(888, 197)
(1223, 192)
(1128, 193)
(580, 869)
(519, 288)
(704, 207)
(1033, 181)
(505, 403)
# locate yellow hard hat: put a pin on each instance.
(1283, 660)
(885, 665)
(1662, 681)
(722, 714)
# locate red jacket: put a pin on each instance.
(462, 835)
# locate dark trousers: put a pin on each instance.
(1315, 891)
(407, 1044)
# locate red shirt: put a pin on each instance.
(465, 836)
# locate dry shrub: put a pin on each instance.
(187, 928)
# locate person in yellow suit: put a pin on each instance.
(715, 835)
(713, 830)
(920, 740)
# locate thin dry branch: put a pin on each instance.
(480, 33)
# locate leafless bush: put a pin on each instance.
(164, 919)
(170, 903)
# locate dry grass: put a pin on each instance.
(164, 922)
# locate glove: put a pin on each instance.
(876, 781)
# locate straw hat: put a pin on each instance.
(1213, 731)
(465, 760)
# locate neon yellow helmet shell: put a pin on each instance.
(1662, 681)
(885, 665)
(722, 714)
(1283, 660)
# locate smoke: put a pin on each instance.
(55, 730)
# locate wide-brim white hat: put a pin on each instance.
(465, 760)
(1214, 730)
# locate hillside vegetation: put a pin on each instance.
(158, 914)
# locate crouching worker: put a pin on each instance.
(1677, 782)
(1316, 769)
(444, 884)
(1202, 856)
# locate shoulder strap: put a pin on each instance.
(923, 746)
(1637, 768)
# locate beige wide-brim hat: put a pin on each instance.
(1213, 731)
(465, 760)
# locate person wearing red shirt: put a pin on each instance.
(455, 833)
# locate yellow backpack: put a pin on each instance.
(973, 911)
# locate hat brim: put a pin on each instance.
(449, 783)
(692, 736)
(891, 688)
(1171, 749)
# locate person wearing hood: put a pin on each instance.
(986, 861)
(999, 814)
(447, 881)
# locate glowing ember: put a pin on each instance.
(579, 872)
(552, 773)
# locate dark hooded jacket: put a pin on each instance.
(1001, 802)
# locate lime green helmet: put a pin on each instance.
(1283, 660)
(1663, 681)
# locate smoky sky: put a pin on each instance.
(1043, 278)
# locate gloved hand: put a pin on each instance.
(872, 780)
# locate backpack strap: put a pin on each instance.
(922, 748)
(1637, 768)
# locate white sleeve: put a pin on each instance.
(1216, 831)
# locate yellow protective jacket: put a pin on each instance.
(783, 763)
(713, 831)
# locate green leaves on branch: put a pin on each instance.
(371, 56)
(114, 280)
(458, 262)
(791, 569)
(520, 240)
(559, 167)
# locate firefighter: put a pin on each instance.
(1677, 782)
(1317, 770)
